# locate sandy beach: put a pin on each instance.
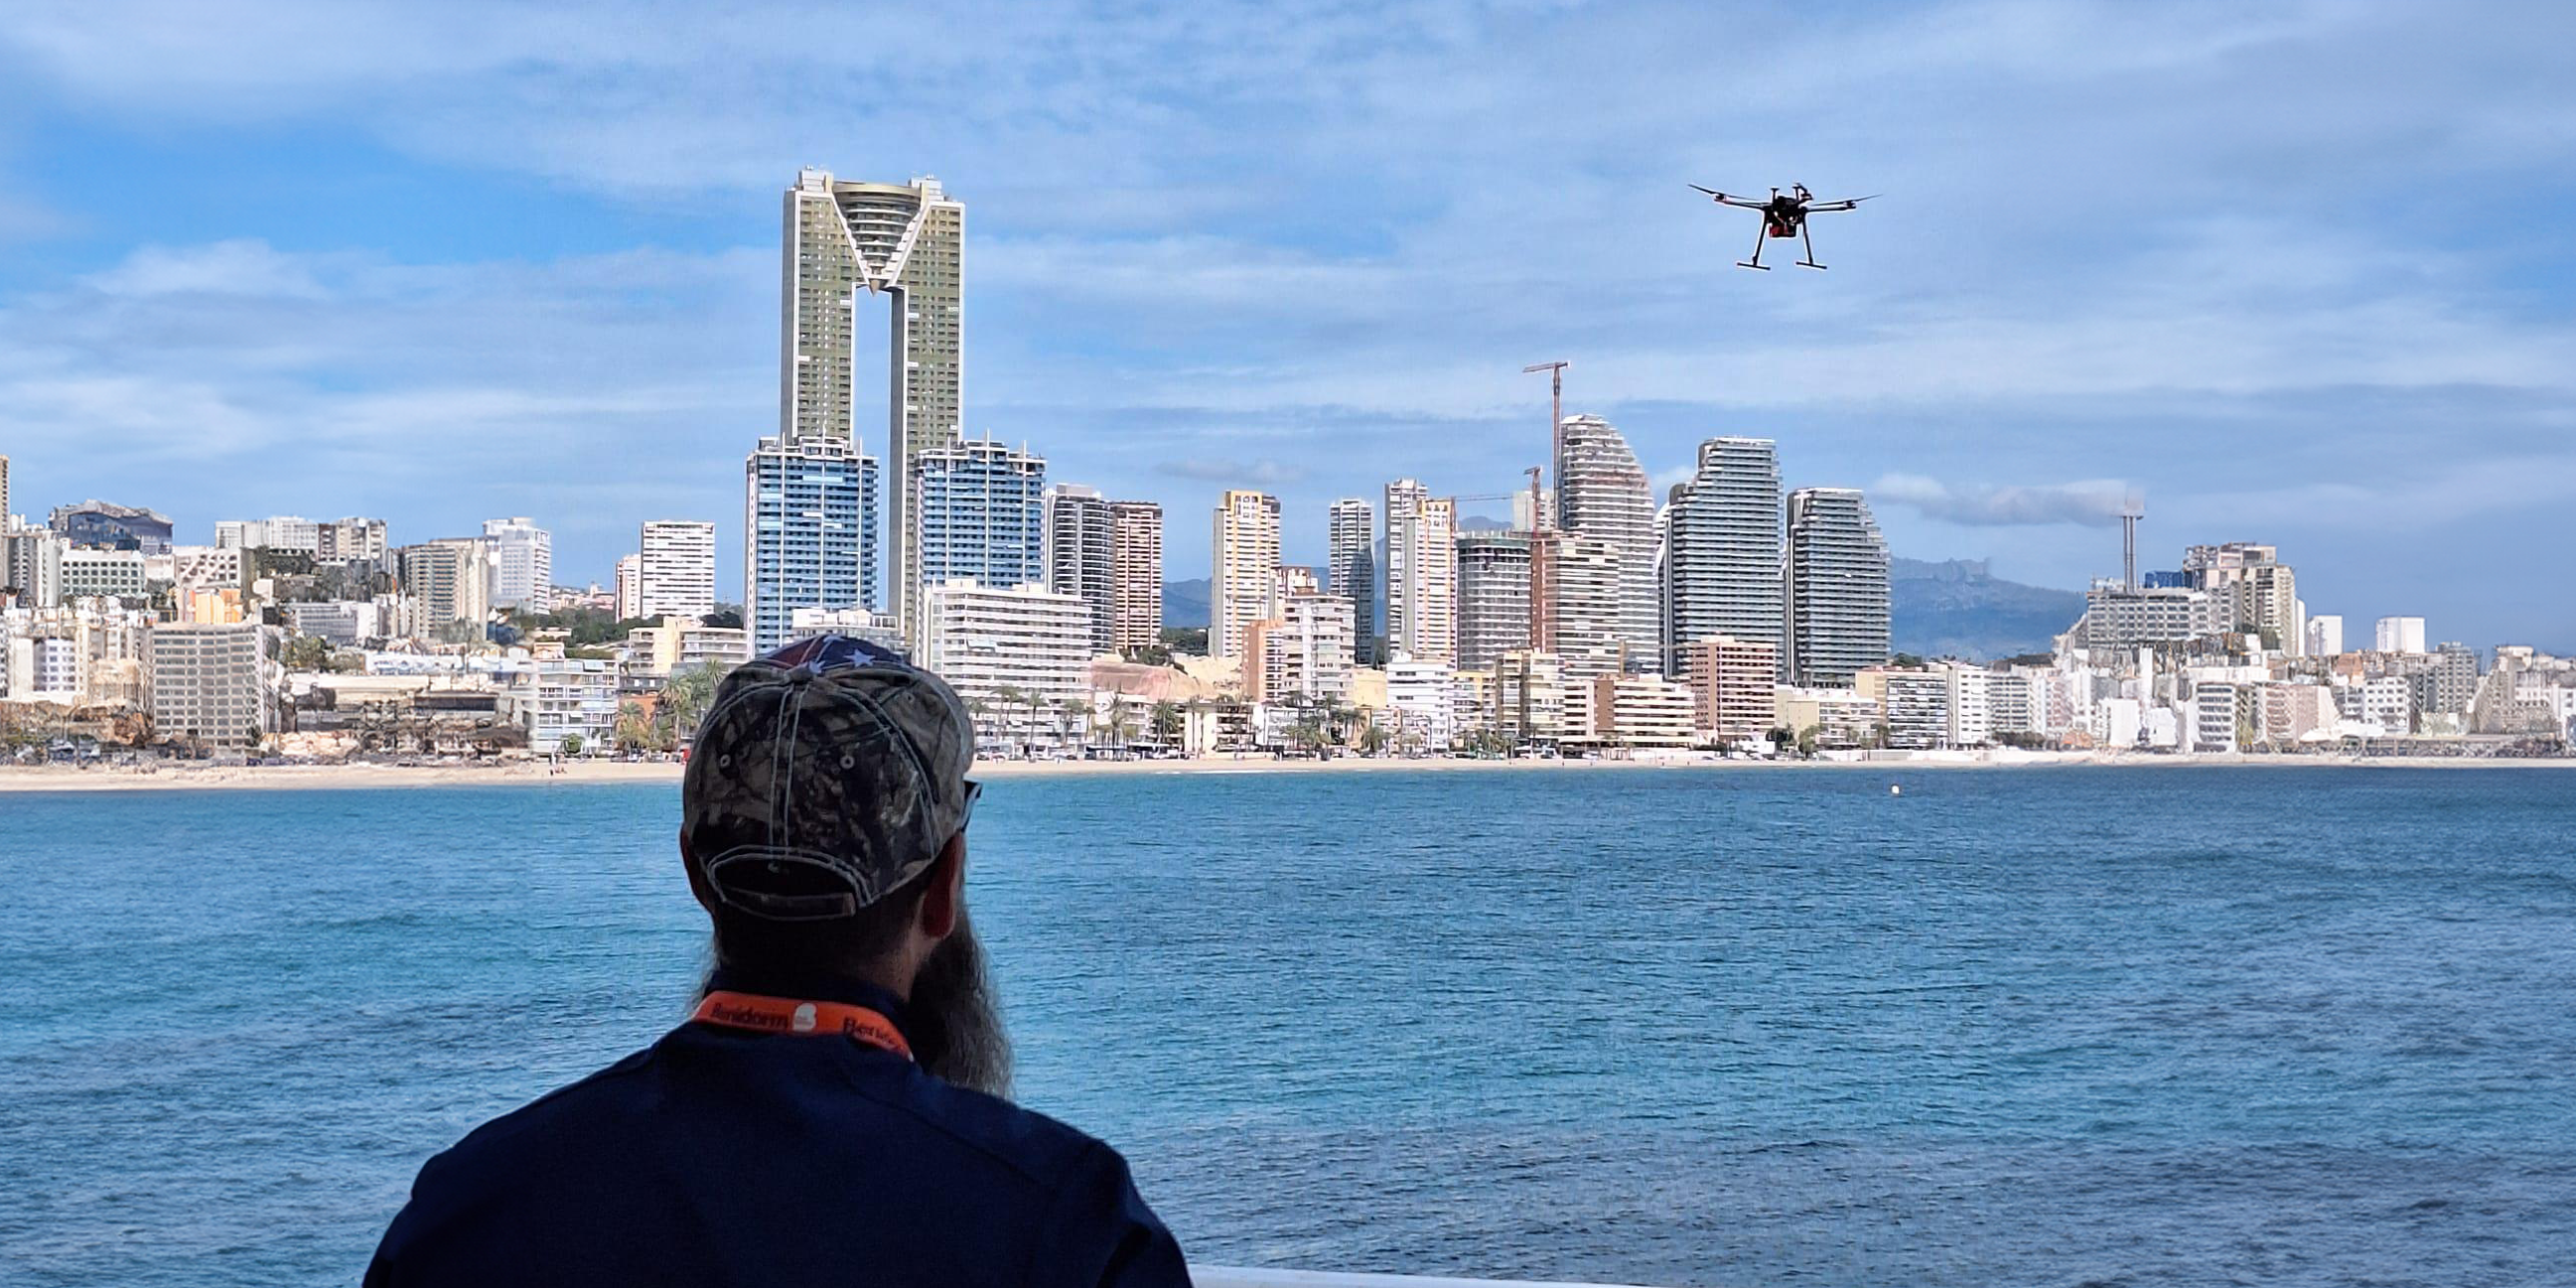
(40, 778)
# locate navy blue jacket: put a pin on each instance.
(724, 1157)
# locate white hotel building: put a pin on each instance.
(1016, 654)
(676, 575)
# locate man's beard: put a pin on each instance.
(955, 1026)
(951, 1019)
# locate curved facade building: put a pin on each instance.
(1602, 492)
(1722, 557)
(1837, 588)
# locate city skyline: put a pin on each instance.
(390, 302)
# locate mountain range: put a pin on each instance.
(1945, 608)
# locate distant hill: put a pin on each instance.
(1951, 608)
(1956, 608)
(1185, 603)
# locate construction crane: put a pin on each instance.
(1537, 517)
(1555, 406)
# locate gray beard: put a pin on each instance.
(955, 1022)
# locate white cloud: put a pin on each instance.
(2214, 248)
(237, 268)
(1260, 473)
(235, 378)
(2093, 502)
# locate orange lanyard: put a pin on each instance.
(789, 1015)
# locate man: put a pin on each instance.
(831, 1115)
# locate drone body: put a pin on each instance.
(1783, 215)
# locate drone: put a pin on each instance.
(1783, 216)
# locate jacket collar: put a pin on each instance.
(815, 988)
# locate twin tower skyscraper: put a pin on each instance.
(811, 495)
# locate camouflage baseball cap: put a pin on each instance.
(824, 775)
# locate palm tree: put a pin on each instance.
(1122, 725)
(1167, 722)
(1372, 738)
(1011, 696)
(685, 699)
(1069, 713)
(635, 728)
(1312, 728)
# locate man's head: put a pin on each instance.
(823, 822)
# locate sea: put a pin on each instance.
(1712, 1027)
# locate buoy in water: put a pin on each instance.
(1895, 790)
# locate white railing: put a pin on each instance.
(1238, 1277)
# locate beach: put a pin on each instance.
(26, 778)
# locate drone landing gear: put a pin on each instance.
(1808, 240)
(1756, 261)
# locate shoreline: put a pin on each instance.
(56, 778)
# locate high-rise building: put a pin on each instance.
(1243, 576)
(676, 575)
(809, 509)
(1019, 655)
(1529, 696)
(283, 532)
(1914, 704)
(102, 572)
(2117, 617)
(558, 700)
(979, 513)
(1532, 511)
(1493, 598)
(1135, 574)
(1734, 687)
(1722, 558)
(1351, 569)
(2250, 582)
(217, 684)
(8, 517)
(1641, 711)
(40, 668)
(2399, 635)
(31, 566)
(2325, 635)
(1601, 491)
(1837, 589)
(1575, 599)
(1423, 698)
(350, 541)
(2455, 678)
(630, 587)
(1080, 553)
(1304, 654)
(1421, 573)
(116, 527)
(449, 585)
(523, 560)
(907, 242)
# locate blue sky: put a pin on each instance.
(2300, 273)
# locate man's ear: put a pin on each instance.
(946, 892)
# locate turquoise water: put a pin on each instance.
(2111, 1027)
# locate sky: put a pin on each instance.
(2297, 273)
